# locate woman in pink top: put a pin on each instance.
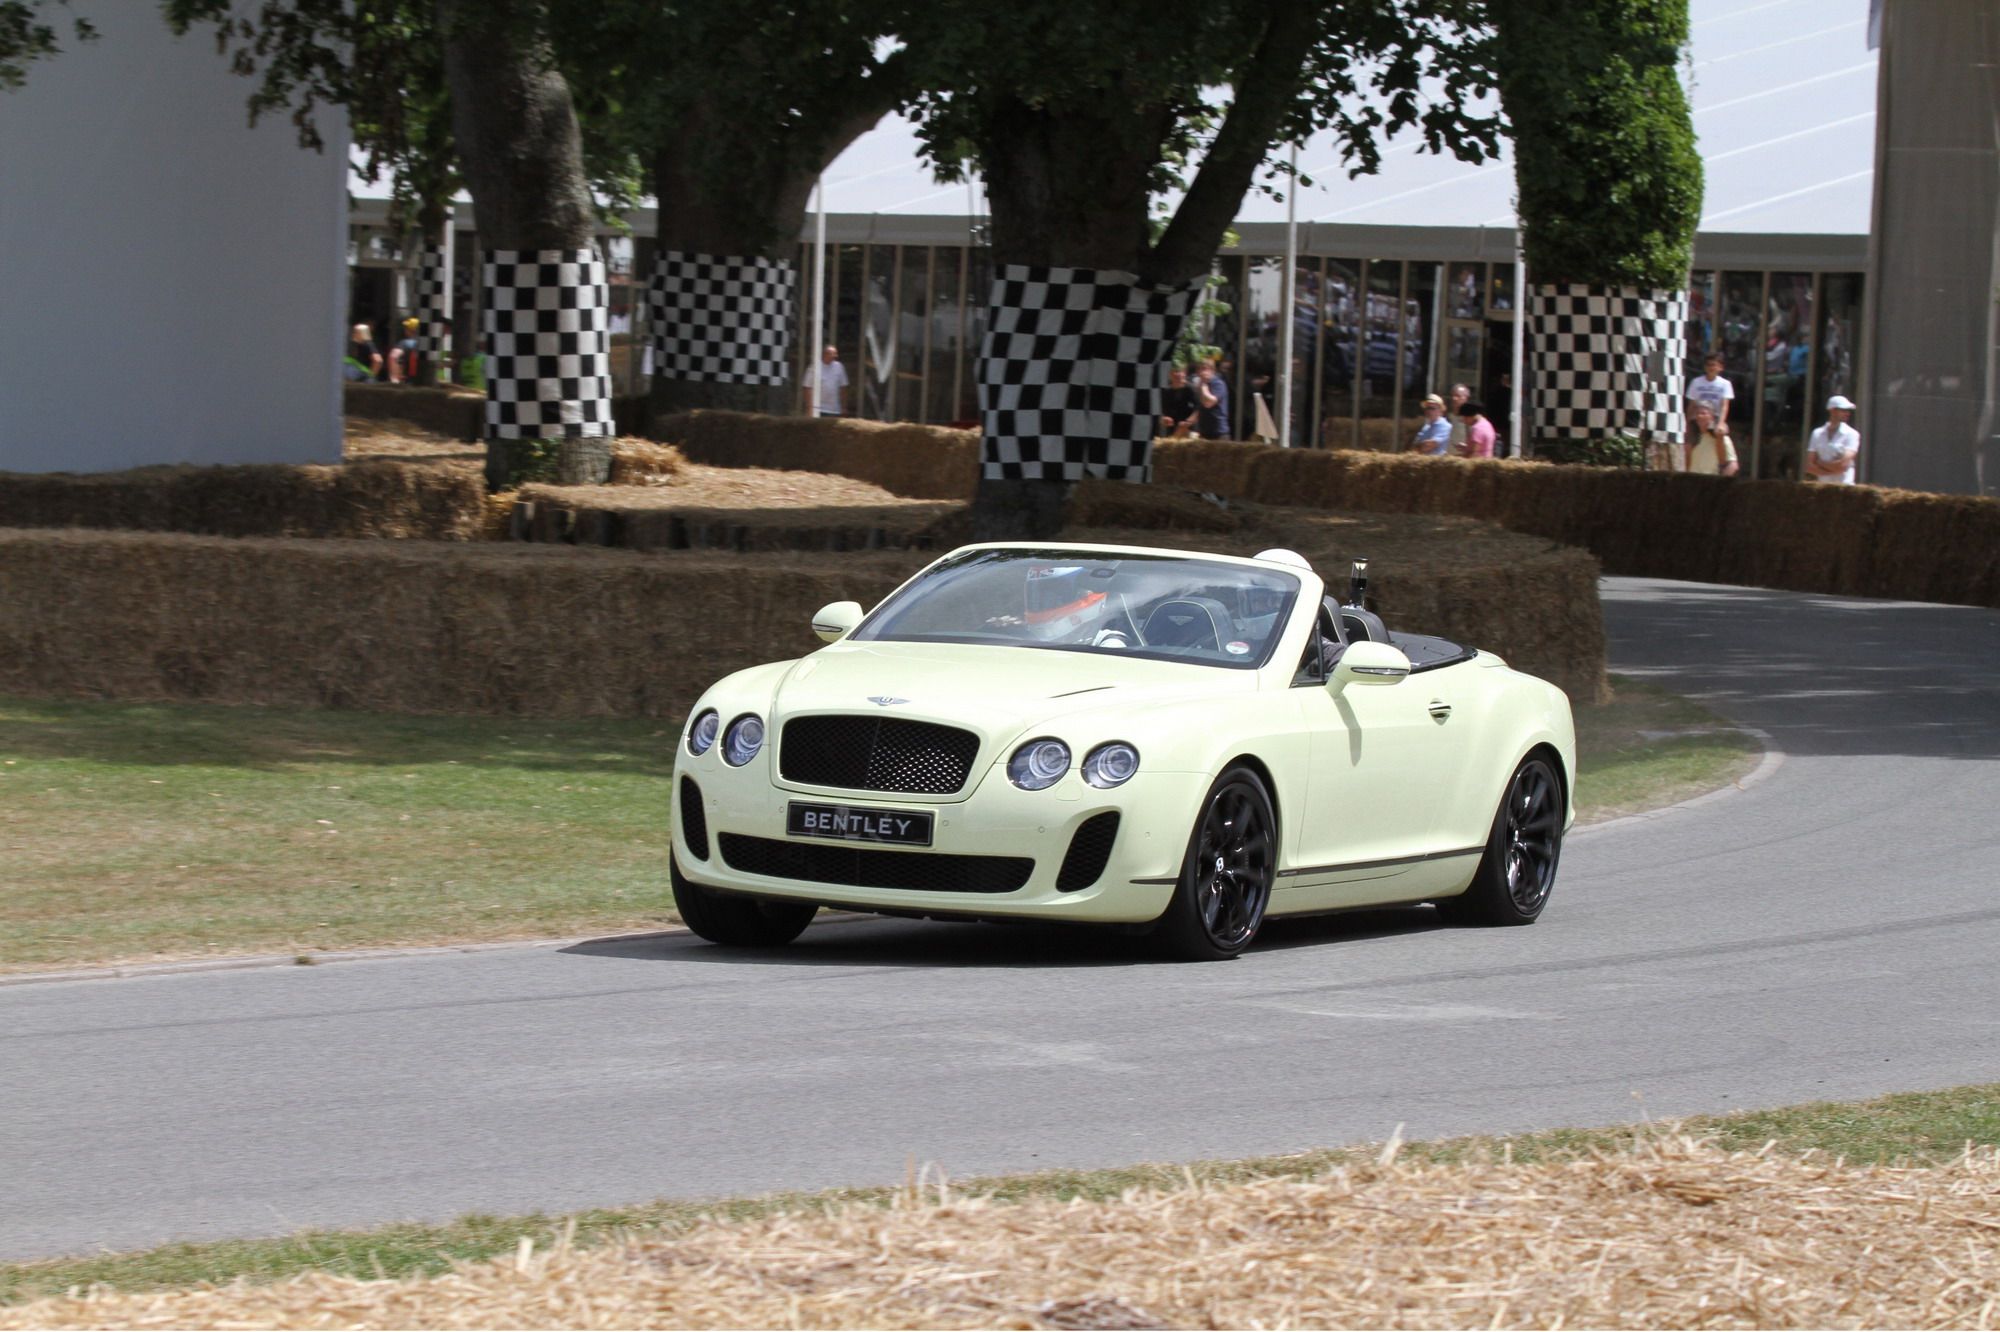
(1479, 432)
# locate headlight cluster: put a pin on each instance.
(740, 742)
(1040, 764)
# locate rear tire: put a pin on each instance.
(1227, 874)
(1518, 871)
(740, 922)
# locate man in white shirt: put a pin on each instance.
(829, 384)
(1831, 451)
(1713, 391)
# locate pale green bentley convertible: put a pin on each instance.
(1187, 743)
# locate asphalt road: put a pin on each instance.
(1829, 932)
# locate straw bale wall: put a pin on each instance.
(404, 627)
(453, 412)
(1849, 540)
(507, 628)
(363, 499)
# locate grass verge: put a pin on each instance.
(148, 831)
(1907, 1129)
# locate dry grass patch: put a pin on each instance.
(1673, 1233)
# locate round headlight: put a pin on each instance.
(743, 739)
(1038, 764)
(1110, 765)
(701, 735)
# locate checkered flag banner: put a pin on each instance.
(722, 317)
(435, 333)
(1071, 371)
(1607, 361)
(547, 321)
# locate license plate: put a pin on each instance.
(903, 827)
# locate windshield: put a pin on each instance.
(1163, 607)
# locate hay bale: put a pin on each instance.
(1936, 548)
(1095, 504)
(917, 461)
(1806, 537)
(1216, 466)
(641, 462)
(404, 626)
(365, 499)
(509, 628)
(457, 413)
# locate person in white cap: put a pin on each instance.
(1831, 451)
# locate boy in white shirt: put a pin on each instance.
(1712, 390)
(1831, 451)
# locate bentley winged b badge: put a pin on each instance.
(884, 701)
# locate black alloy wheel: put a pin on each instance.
(1226, 879)
(1518, 871)
(730, 918)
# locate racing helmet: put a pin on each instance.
(1059, 602)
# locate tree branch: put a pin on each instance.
(1265, 90)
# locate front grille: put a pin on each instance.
(865, 867)
(876, 754)
(694, 822)
(1088, 851)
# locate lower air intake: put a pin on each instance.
(864, 867)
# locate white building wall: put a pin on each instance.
(172, 283)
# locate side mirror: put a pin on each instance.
(1369, 664)
(833, 622)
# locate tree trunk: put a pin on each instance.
(1077, 342)
(1069, 188)
(741, 230)
(546, 320)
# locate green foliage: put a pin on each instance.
(1609, 177)
(1607, 451)
(531, 461)
(1102, 109)
(28, 35)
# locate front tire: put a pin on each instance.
(1518, 871)
(740, 922)
(1227, 874)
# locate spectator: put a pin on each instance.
(1709, 451)
(1211, 391)
(406, 358)
(363, 361)
(1434, 435)
(830, 384)
(1479, 432)
(1712, 390)
(1460, 395)
(1181, 409)
(1831, 451)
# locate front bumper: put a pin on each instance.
(997, 820)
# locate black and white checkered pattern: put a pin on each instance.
(1607, 361)
(434, 334)
(722, 317)
(547, 321)
(1071, 371)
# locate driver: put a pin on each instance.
(1059, 604)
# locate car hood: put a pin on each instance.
(995, 690)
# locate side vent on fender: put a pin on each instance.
(1089, 851)
(694, 820)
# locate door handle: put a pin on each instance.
(1440, 709)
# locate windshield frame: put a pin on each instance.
(870, 628)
